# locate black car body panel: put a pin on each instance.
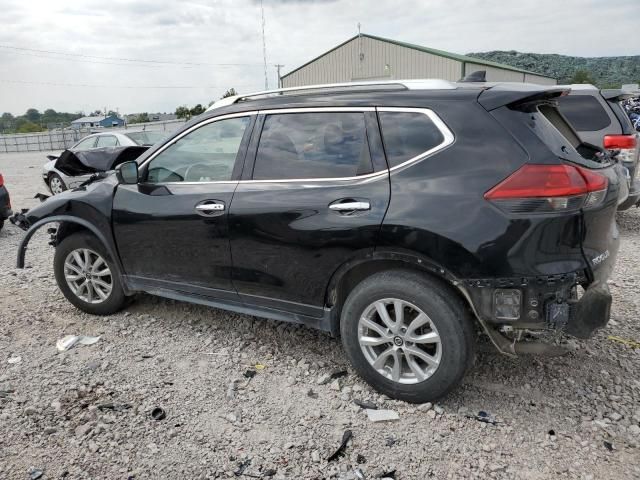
(278, 250)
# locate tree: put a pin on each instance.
(197, 110)
(230, 93)
(582, 76)
(32, 115)
(182, 112)
(25, 126)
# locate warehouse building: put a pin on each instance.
(97, 121)
(370, 58)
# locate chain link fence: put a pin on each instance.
(61, 139)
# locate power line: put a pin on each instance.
(54, 84)
(79, 55)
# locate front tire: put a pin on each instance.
(56, 184)
(407, 335)
(87, 276)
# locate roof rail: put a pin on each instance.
(421, 84)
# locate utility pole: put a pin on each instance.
(264, 48)
(278, 67)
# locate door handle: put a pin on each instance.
(350, 206)
(209, 207)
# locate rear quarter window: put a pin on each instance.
(584, 112)
(407, 135)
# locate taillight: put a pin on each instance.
(1, 180)
(549, 188)
(625, 143)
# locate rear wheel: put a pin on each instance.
(407, 335)
(56, 184)
(87, 276)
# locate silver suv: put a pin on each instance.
(599, 119)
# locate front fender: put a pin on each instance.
(22, 248)
(89, 207)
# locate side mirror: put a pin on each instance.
(127, 173)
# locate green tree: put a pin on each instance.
(33, 115)
(182, 112)
(582, 76)
(7, 122)
(197, 110)
(25, 126)
(230, 93)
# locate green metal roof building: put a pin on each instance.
(367, 57)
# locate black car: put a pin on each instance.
(404, 217)
(5, 203)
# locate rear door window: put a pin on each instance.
(407, 135)
(312, 145)
(584, 112)
(107, 141)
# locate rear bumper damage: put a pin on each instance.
(535, 315)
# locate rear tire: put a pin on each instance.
(56, 184)
(87, 276)
(412, 361)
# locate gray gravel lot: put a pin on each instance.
(85, 413)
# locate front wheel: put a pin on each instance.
(407, 335)
(87, 276)
(56, 184)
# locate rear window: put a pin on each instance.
(584, 112)
(407, 135)
(312, 145)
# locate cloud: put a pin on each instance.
(230, 32)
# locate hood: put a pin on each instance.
(75, 162)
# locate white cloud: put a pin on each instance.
(229, 31)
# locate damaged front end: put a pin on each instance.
(84, 208)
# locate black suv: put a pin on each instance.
(405, 217)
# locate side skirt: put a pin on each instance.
(137, 284)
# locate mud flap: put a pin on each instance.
(590, 312)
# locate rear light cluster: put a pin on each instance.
(549, 188)
(626, 144)
(1, 180)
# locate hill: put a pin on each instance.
(606, 72)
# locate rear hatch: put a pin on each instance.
(586, 179)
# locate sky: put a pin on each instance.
(154, 55)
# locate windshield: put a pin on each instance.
(145, 138)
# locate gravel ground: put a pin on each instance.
(85, 413)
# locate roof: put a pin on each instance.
(96, 119)
(433, 51)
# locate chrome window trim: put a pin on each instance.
(449, 138)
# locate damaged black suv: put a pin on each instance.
(406, 217)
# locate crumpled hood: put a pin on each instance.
(75, 162)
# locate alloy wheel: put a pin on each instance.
(56, 185)
(399, 341)
(88, 275)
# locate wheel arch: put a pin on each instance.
(351, 273)
(68, 226)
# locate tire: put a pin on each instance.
(1, 223)
(448, 319)
(55, 180)
(89, 298)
